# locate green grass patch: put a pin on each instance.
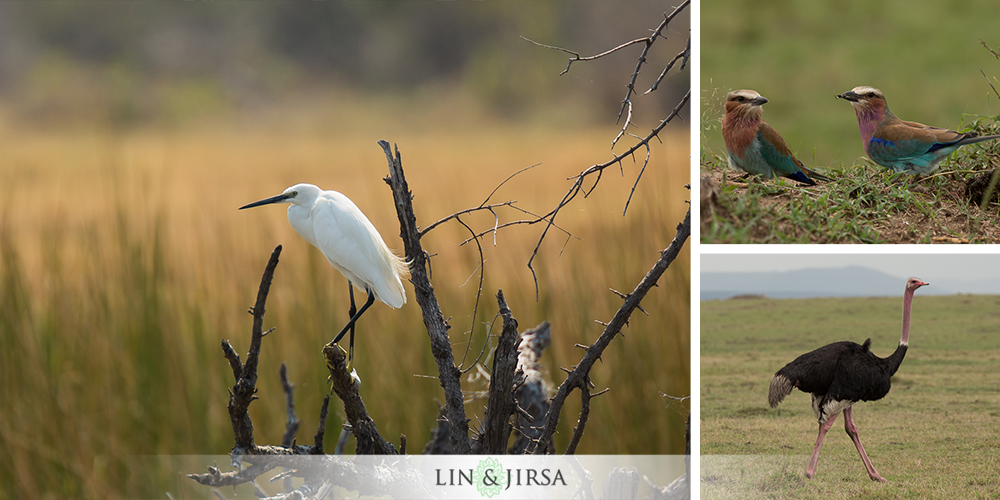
(863, 204)
(932, 436)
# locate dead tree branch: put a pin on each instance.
(252, 460)
(578, 181)
(345, 385)
(531, 392)
(455, 215)
(579, 377)
(685, 55)
(245, 387)
(646, 40)
(577, 186)
(627, 101)
(437, 326)
(581, 423)
(475, 308)
(500, 405)
(491, 208)
(216, 478)
(243, 393)
(293, 422)
(362, 474)
(321, 430)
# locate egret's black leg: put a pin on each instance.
(350, 324)
(350, 314)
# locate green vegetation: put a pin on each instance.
(800, 55)
(864, 204)
(166, 64)
(925, 56)
(933, 436)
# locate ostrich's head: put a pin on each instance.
(914, 283)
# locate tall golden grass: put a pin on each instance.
(124, 262)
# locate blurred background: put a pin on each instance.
(131, 132)
(926, 58)
(837, 275)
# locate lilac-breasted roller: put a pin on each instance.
(754, 146)
(910, 147)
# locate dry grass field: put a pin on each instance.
(124, 262)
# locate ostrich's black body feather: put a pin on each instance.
(839, 372)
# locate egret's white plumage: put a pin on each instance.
(331, 222)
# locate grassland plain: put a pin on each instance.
(124, 262)
(933, 436)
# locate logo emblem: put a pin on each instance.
(492, 480)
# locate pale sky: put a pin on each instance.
(964, 266)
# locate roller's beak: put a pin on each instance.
(274, 199)
(758, 101)
(850, 96)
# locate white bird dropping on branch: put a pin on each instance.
(331, 222)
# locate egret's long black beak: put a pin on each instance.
(268, 201)
(850, 96)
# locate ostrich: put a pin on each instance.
(839, 375)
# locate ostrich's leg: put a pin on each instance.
(823, 428)
(852, 430)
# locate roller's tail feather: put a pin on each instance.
(815, 175)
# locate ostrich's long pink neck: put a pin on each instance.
(904, 339)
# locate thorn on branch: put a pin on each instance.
(625, 297)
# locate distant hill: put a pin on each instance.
(852, 281)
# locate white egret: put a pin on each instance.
(331, 222)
